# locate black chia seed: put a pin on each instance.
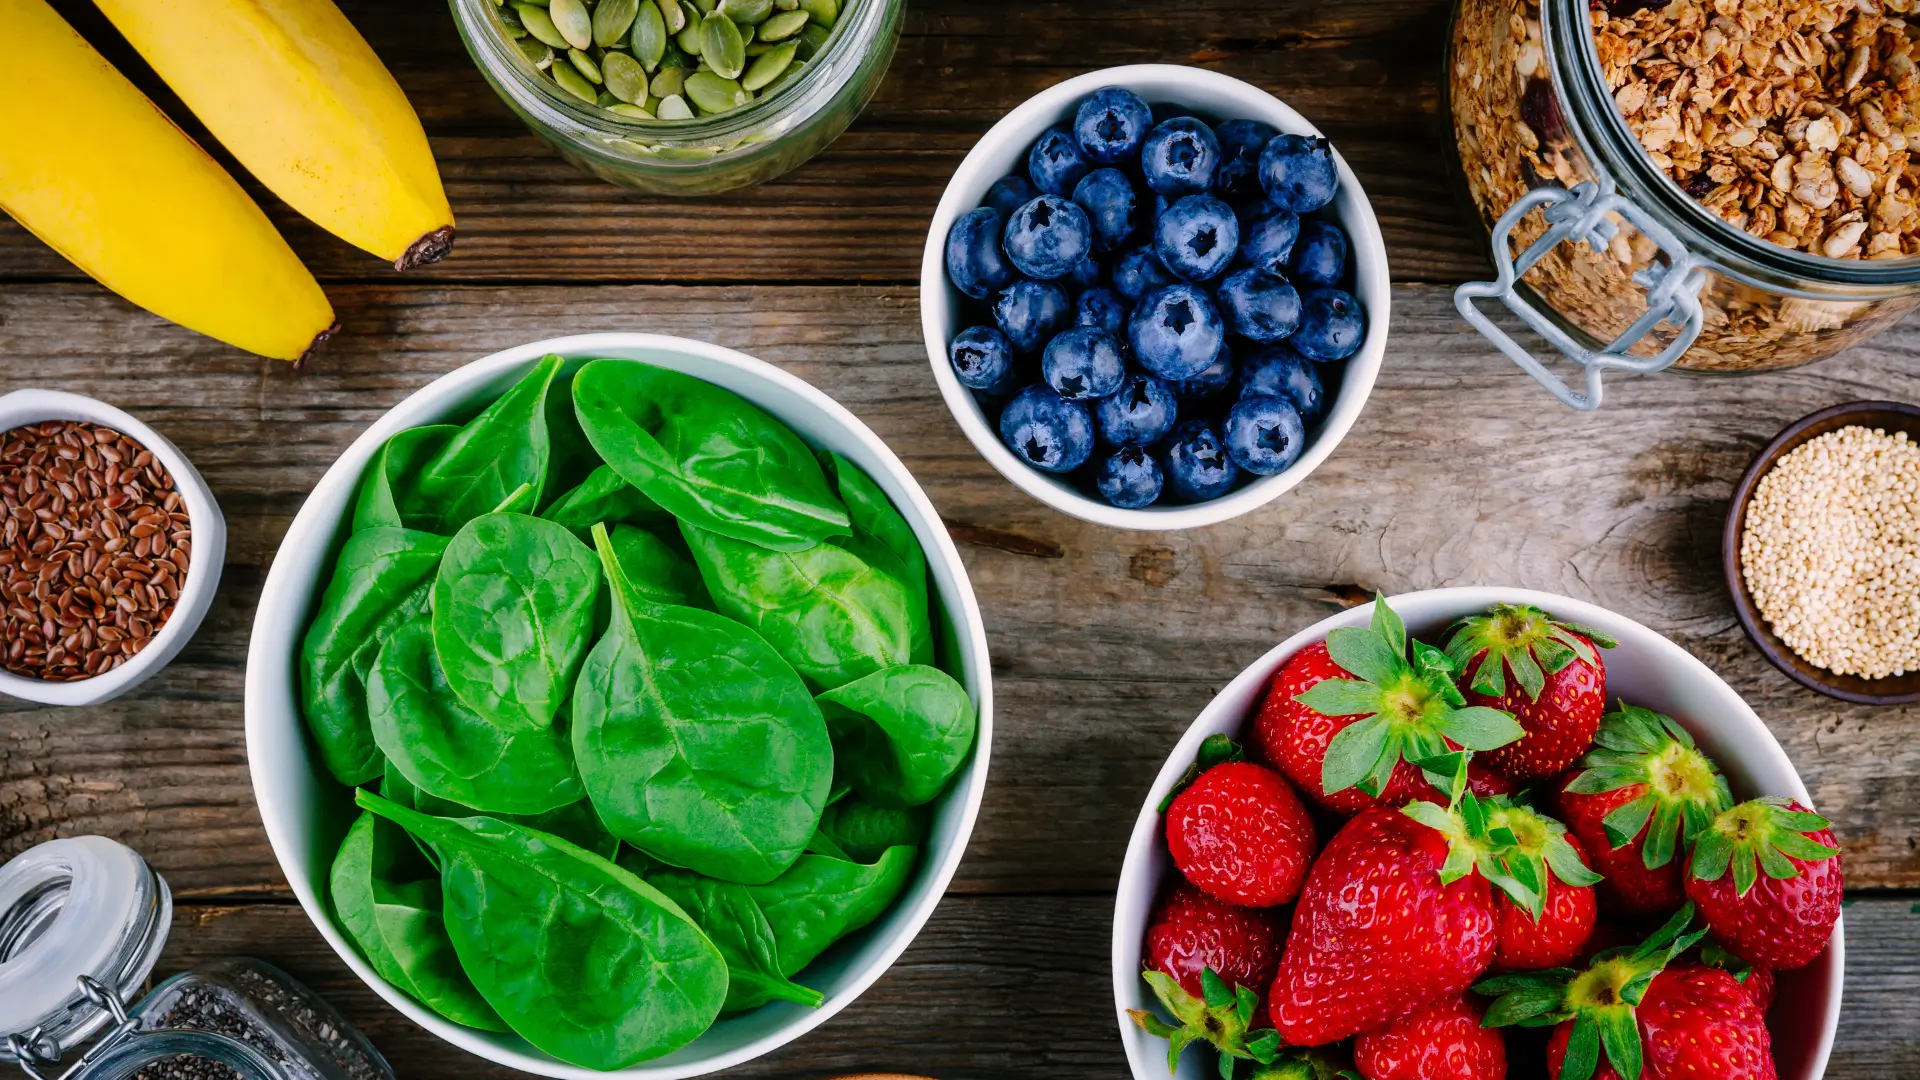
(243, 1000)
(187, 1067)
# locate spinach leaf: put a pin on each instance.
(873, 517)
(658, 573)
(391, 909)
(379, 582)
(862, 832)
(604, 496)
(446, 749)
(507, 445)
(513, 616)
(576, 822)
(822, 899)
(732, 919)
(696, 742)
(830, 611)
(899, 733)
(385, 498)
(579, 957)
(706, 455)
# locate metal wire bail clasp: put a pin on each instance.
(1673, 290)
(32, 1057)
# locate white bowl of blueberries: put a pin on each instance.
(1154, 297)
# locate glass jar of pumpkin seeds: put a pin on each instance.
(683, 97)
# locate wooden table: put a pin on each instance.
(1461, 471)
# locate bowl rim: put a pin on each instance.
(33, 405)
(1758, 630)
(274, 638)
(969, 182)
(1131, 912)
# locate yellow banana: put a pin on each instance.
(93, 168)
(294, 91)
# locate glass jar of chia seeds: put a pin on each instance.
(82, 922)
(1571, 123)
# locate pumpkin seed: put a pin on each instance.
(689, 38)
(540, 25)
(536, 3)
(673, 107)
(785, 5)
(714, 93)
(782, 26)
(649, 38)
(625, 78)
(746, 12)
(758, 48)
(675, 19)
(813, 38)
(667, 82)
(631, 112)
(721, 46)
(825, 12)
(768, 67)
(793, 72)
(705, 7)
(571, 17)
(585, 66)
(611, 18)
(573, 82)
(536, 53)
(604, 99)
(510, 18)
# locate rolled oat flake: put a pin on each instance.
(82, 921)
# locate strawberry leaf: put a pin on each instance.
(1621, 1038)
(1365, 653)
(1342, 697)
(1215, 749)
(1214, 989)
(1566, 865)
(1625, 822)
(1480, 728)
(1758, 835)
(1583, 1050)
(1354, 753)
(1387, 623)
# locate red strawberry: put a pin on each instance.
(1547, 673)
(1550, 927)
(1759, 984)
(1348, 720)
(1392, 917)
(1777, 907)
(1635, 800)
(1241, 835)
(1192, 931)
(1757, 980)
(1442, 1040)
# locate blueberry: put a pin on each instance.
(1279, 371)
(1179, 157)
(1129, 478)
(1086, 274)
(1083, 363)
(1111, 205)
(1241, 141)
(1030, 313)
(1210, 381)
(1055, 163)
(1259, 306)
(1164, 111)
(975, 264)
(1139, 413)
(1104, 309)
(1010, 193)
(1320, 255)
(982, 356)
(1176, 332)
(1138, 273)
(1046, 237)
(1297, 172)
(1046, 430)
(1251, 210)
(1198, 467)
(1196, 237)
(1110, 124)
(1332, 325)
(1265, 434)
(1266, 243)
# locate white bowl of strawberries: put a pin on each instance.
(1467, 829)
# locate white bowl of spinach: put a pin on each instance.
(618, 705)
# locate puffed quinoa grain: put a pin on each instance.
(1831, 551)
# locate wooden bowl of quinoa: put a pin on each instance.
(1822, 552)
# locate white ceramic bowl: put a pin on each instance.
(306, 813)
(209, 528)
(1003, 149)
(1646, 669)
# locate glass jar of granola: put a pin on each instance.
(1718, 185)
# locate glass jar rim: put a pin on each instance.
(1610, 146)
(854, 31)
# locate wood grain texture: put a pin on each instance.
(997, 987)
(1366, 73)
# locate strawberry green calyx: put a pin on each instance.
(1304, 1065)
(1527, 847)
(1410, 706)
(1531, 642)
(1758, 836)
(1684, 788)
(1215, 749)
(1222, 1017)
(1478, 837)
(1599, 1001)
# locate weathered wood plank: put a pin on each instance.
(1461, 471)
(1366, 73)
(999, 986)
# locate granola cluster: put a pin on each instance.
(1790, 119)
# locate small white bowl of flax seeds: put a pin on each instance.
(110, 549)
